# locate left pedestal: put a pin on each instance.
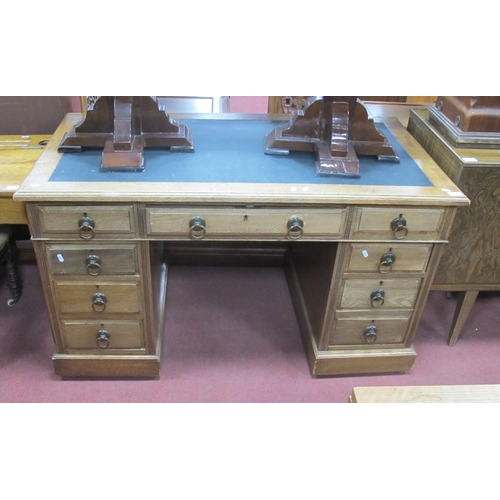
(105, 310)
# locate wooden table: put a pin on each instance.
(18, 154)
(427, 394)
(104, 243)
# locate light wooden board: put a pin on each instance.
(427, 394)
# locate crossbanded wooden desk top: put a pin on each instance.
(441, 191)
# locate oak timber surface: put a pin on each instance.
(427, 394)
(18, 154)
(38, 186)
(380, 111)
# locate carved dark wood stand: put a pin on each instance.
(337, 129)
(124, 126)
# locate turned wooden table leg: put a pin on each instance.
(464, 305)
(12, 273)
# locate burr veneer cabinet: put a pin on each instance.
(359, 254)
(471, 262)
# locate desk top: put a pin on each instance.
(232, 151)
(54, 178)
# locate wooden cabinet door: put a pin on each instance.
(29, 115)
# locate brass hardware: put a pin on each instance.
(86, 227)
(103, 337)
(386, 262)
(99, 302)
(292, 102)
(197, 229)
(370, 334)
(377, 298)
(399, 228)
(295, 228)
(457, 121)
(93, 265)
(439, 105)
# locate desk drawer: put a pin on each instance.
(248, 223)
(377, 258)
(370, 330)
(103, 337)
(103, 298)
(379, 294)
(95, 260)
(85, 222)
(386, 223)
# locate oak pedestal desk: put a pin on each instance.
(359, 254)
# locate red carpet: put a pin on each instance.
(231, 336)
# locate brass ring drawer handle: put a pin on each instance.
(295, 228)
(103, 337)
(370, 334)
(386, 263)
(197, 229)
(99, 302)
(86, 227)
(399, 229)
(93, 265)
(377, 298)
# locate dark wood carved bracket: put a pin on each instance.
(123, 127)
(338, 129)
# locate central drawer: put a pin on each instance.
(226, 223)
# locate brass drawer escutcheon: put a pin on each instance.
(370, 334)
(399, 228)
(99, 301)
(86, 227)
(386, 263)
(197, 229)
(103, 337)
